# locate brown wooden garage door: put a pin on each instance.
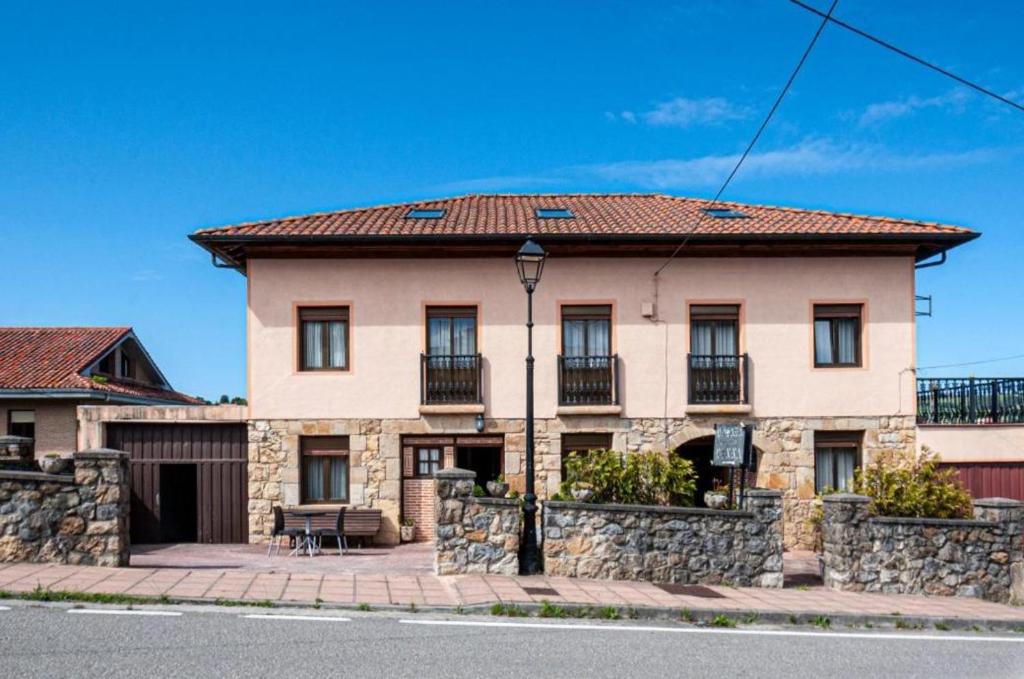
(188, 481)
(992, 479)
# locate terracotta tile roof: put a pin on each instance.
(594, 214)
(53, 358)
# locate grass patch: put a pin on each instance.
(508, 610)
(317, 602)
(609, 613)
(687, 615)
(941, 626)
(722, 620)
(821, 621)
(459, 610)
(260, 603)
(550, 610)
(793, 620)
(412, 607)
(751, 619)
(364, 607)
(583, 612)
(1019, 629)
(803, 588)
(41, 593)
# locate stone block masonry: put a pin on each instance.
(473, 535)
(980, 557)
(68, 519)
(667, 544)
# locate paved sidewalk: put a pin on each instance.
(429, 591)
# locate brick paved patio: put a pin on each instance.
(378, 589)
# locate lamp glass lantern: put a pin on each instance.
(530, 264)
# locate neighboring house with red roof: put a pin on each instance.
(46, 373)
(387, 342)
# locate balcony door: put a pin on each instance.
(586, 367)
(451, 364)
(715, 363)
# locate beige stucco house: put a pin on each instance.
(387, 342)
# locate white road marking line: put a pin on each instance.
(5, 608)
(271, 616)
(101, 611)
(704, 630)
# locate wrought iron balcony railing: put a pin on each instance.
(450, 379)
(588, 380)
(970, 400)
(717, 379)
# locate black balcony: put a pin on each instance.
(450, 379)
(588, 380)
(717, 379)
(970, 400)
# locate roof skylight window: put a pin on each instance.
(724, 213)
(425, 213)
(554, 213)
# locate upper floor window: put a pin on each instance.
(714, 329)
(586, 330)
(21, 423)
(837, 335)
(323, 338)
(451, 331)
(324, 469)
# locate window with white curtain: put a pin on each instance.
(714, 329)
(836, 457)
(323, 338)
(586, 330)
(324, 469)
(837, 335)
(451, 331)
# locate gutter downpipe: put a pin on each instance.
(939, 262)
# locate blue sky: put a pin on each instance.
(125, 127)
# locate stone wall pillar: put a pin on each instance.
(473, 535)
(766, 506)
(102, 478)
(1009, 514)
(844, 532)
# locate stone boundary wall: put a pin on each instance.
(980, 558)
(473, 535)
(667, 544)
(79, 518)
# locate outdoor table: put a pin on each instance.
(307, 543)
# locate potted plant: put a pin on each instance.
(52, 463)
(582, 492)
(498, 487)
(717, 497)
(407, 529)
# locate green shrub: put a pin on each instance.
(907, 484)
(478, 491)
(637, 478)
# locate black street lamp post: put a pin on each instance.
(529, 264)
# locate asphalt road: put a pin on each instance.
(56, 641)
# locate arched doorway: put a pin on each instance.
(700, 451)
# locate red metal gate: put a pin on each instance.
(992, 479)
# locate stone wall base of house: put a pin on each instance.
(785, 445)
(473, 535)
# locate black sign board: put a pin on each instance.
(730, 445)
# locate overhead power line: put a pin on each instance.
(757, 135)
(902, 52)
(961, 365)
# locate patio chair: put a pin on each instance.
(281, 531)
(337, 531)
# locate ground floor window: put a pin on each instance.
(21, 423)
(324, 468)
(428, 460)
(582, 443)
(836, 456)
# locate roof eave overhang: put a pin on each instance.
(233, 250)
(88, 394)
